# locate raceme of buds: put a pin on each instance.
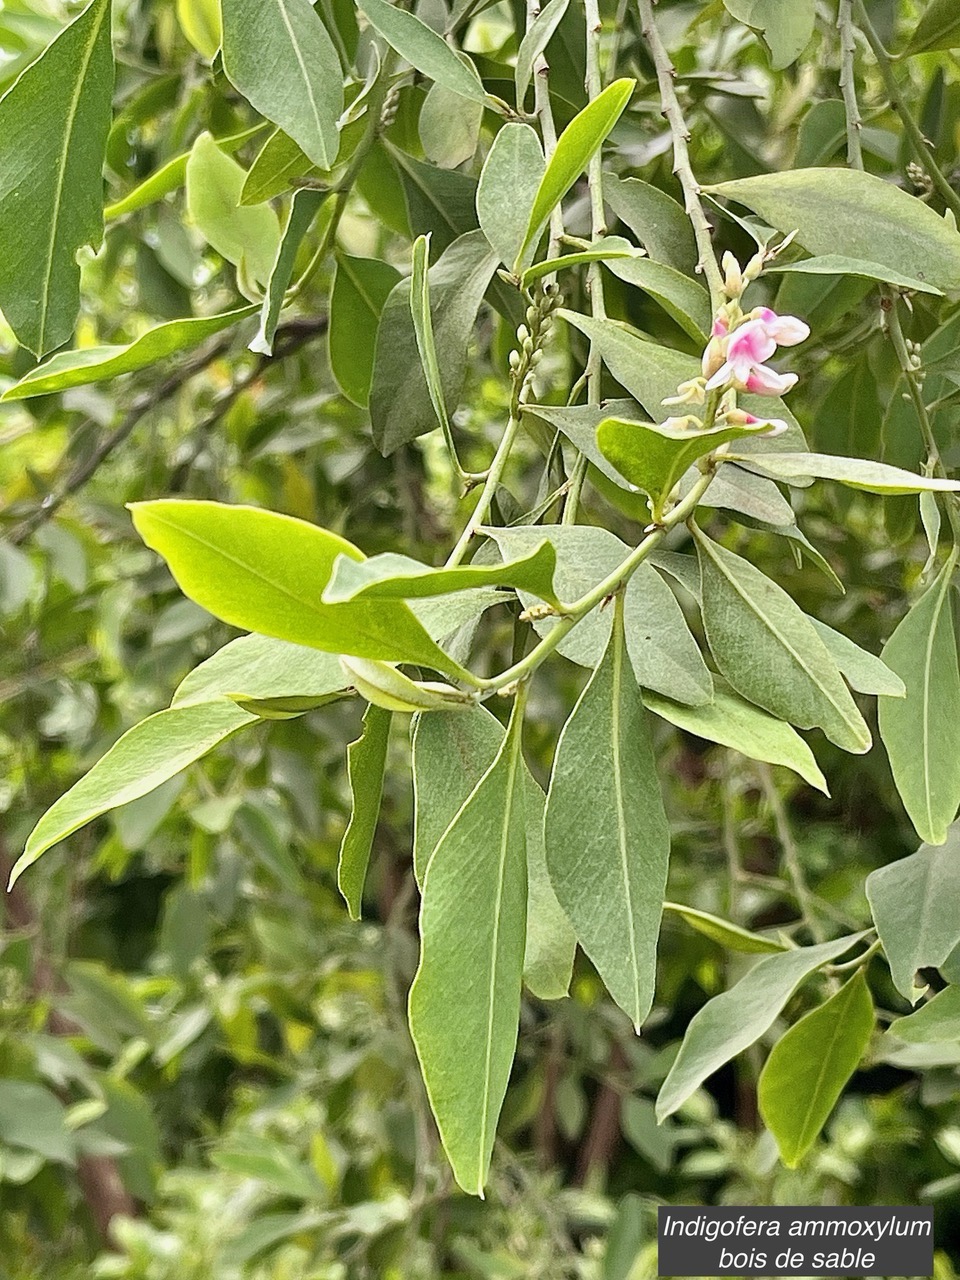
(739, 360)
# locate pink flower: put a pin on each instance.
(786, 331)
(764, 381)
(775, 426)
(753, 343)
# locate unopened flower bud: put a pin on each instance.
(732, 277)
(753, 268)
(713, 358)
(514, 361)
(523, 334)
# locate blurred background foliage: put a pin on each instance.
(196, 1045)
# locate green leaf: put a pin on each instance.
(266, 572)
(728, 935)
(921, 731)
(658, 222)
(583, 136)
(653, 458)
(451, 753)
(509, 182)
(935, 1022)
(769, 651)
(855, 473)
(277, 53)
(200, 23)
(535, 40)
(303, 209)
(834, 264)
(146, 756)
(855, 215)
(683, 299)
(247, 237)
(94, 364)
(366, 761)
(465, 998)
(423, 329)
(449, 126)
(914, 905)
(259, 668)
(863, 670)
(664, 654)
(278, 164)
(938, 28)
(360, 291)
(54, 122)
(809, 1067)
(400, 405)
(31, 1117)
(604, 250)
(396, 577)
(735, 1019)
(786, 28)
(737, 724)
(417, 44)
(439, 201)
(606, 834)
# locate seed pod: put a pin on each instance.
(382, 684)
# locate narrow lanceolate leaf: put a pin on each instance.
(54, 122)
(863, 670)
(733, 1020)
(768, 650)
(921, 731)
(737, 724)
(420, 45)
(95, 364)
(583, 136)
(451, 753)
(936, 1022)
(277, 53)
(465, 999)
(247, 237)
(809, 1066)
(535, 40)
(731, 936)
(360, 291)
(914, 905)
(508, 187)
(607, 249)
(834, 264)
(855, 473)
(278, 164)
(682, 298)
(606, 833)
(303, 209)
(145, 757)
(260, 669)
(423, 329)
(266, 572)
(366, 760)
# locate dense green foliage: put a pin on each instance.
(426, 344)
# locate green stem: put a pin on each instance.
(791, 855)
(914, 134)
(848, 83)
(484, 502)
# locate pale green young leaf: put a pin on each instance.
(938, 28)
(607, 249)
(361, 287)
(683, 299)
(419, 45)
(723, 932)
(451, 753)
(662, 650)
(508, 186)
(449, 126)
(769, 651)
(266, 572)
(465, 998)
(856, 215)
(303, 209)
(391, 576)
(95, 364)
(921, 731)
(366, 761)
(862, 670)
(606, 834)
(936, 1022)
(809, 1066)
(400, 405)
(732, 722)
(535, 40)
(147, 755)
(855, 473)
(260, 669)
(658, 222)
(786, 28)
(834, 264)
(54, 122)
(423, 329)
(735, 1019)
(277, 53)
(914, 905)
(247, 237)
(276, 167)
(583, 136)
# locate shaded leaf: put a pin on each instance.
(360, 291)
(658, 222)
(786, 28)
(277, 166)
(834, 264)
(863, 670)
(366, 760)
(938, 28)
(683, 299)
(728, 935)
(303, 209)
